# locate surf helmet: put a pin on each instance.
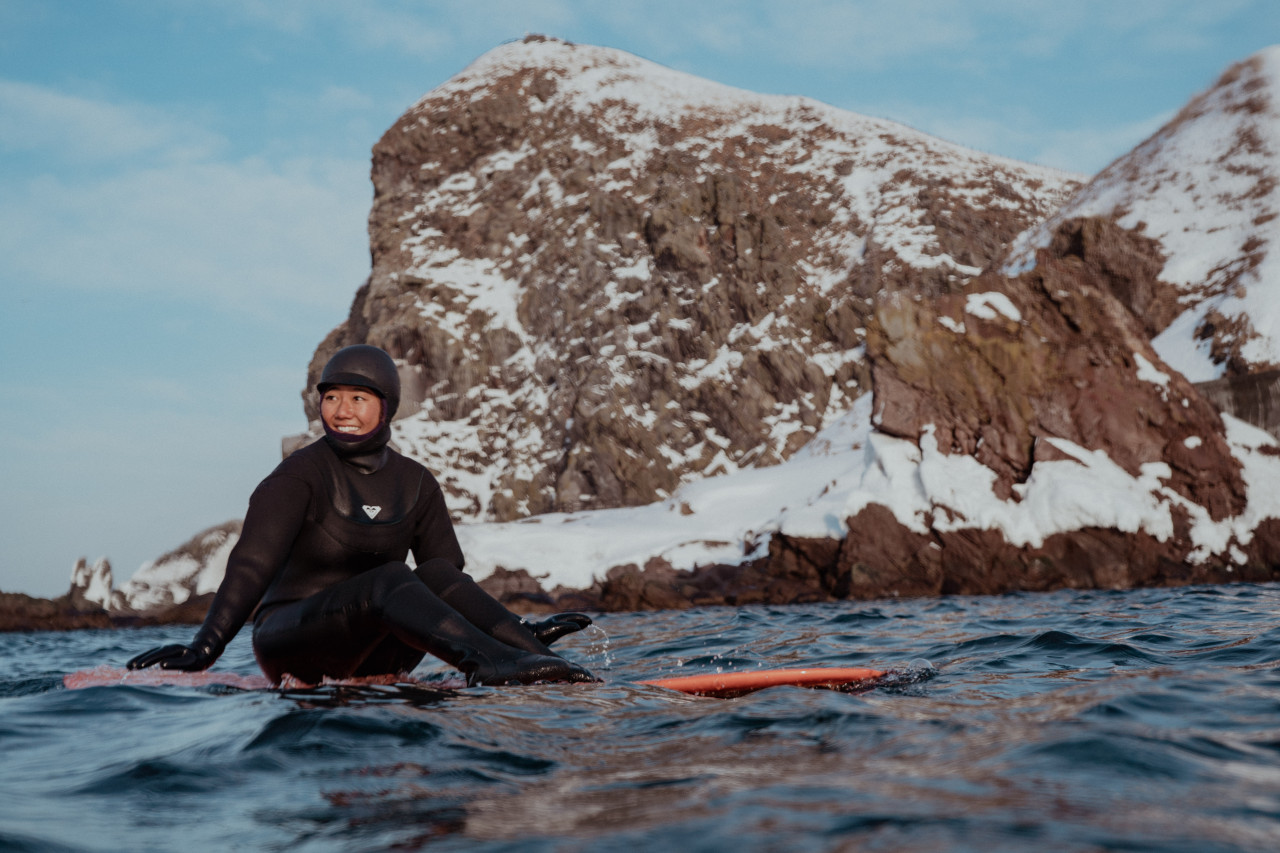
(365, 366)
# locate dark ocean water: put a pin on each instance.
(1071, 721)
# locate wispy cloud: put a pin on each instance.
(902, 34)
(1091, 149)
(51, 122)
(248, 236)
(414, 28)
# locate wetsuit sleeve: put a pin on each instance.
(434, 537)
(276, 513)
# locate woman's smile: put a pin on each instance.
(350, 409)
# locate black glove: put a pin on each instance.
(175, 656)
(553, 628)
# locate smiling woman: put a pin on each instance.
(321, 570)
(351, 410)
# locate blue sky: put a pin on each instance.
(184, 188)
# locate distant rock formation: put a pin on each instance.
(93, 587)
(174, 589)
(194, 568)
(605, 282)
(603, 278)
(1204, 192)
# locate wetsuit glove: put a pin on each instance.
(553, 628)
(176, 656)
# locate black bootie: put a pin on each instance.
(420, 618)
(554, 627)
(457, 589)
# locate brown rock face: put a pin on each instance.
(1203, 191)
(1005, 372)
(1126, 263)
(595, 300)
(1073, 363)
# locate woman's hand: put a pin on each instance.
(175, 656)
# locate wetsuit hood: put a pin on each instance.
(369, 367)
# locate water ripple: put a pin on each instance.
(1069, 721)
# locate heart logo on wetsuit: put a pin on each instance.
(372, 511)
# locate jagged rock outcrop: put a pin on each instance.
(93, 587)
(606, 282)
(604, 278)
(193, 569)
(1202, 191)
(1035, 369)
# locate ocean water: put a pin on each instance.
(1072, 721)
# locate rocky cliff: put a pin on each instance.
(1027, 432)
(603, 278)
(671, 344)
(1202, 193)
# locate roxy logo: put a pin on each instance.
(372, 511)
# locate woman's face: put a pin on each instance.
(351, 409)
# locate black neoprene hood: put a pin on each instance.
(367, 367)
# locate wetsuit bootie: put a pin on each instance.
(490, 662)
(460, 591)
(554, 627)
(420, 618)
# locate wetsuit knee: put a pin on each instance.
(440, 575)
(385, 580)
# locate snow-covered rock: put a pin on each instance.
(92, 586)
(194, 568)
(670, 343)
(604, 278)
(1206, 189)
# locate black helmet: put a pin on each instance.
(368, 367)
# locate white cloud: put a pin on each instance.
(911, 35)
(43, 120)
(246, 235)
(1025, 135)
(416, 29)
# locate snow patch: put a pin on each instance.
(987, 306)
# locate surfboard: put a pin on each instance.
(114, 676)
(724, 685)
(727, 685)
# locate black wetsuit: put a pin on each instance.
(320, 565)
(322, 559)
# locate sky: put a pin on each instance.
(184, 189)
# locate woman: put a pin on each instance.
(321, 568)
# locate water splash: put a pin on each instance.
(599, 649)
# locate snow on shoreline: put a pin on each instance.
(729, 519)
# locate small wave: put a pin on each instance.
(910, 674)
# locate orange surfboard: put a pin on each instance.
(720, 684)
(729, 684)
